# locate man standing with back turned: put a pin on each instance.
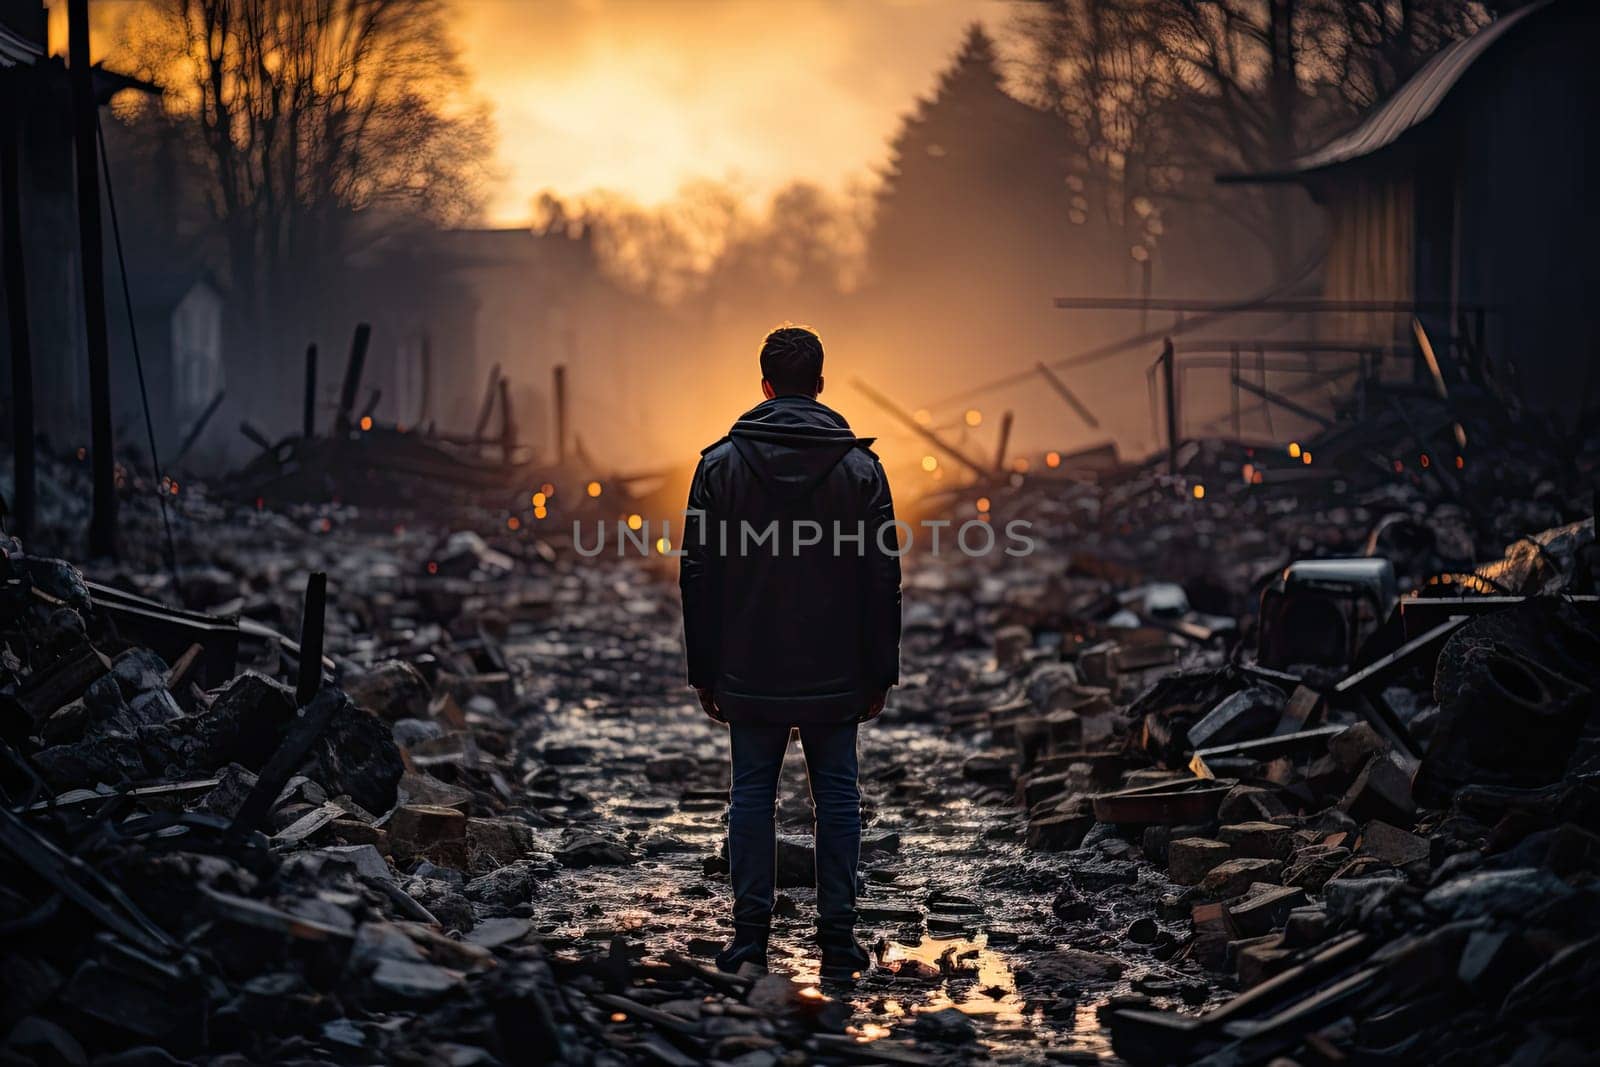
(791, 611)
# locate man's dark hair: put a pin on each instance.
(791, 359)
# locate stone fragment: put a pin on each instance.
(139, 670)
(1068, 968)
(1311, 867)
(392, 690)
(1381, 791)
(1353, 898)
(1249, 713)
(675, 768)
(1392, 845)
(1011, 643)
(1250, 803)
(1232, 878)
(946, 1026)
(505, 887)
(364, 859)
(1256, 840)
(412, 980)
(991, 769)
(1058, 832)
(1265, 908)
(1189, 859)
(419, 788)
(1514, 893)
(426, 831)
(1305, 926)
(1352, 748)
(499, 840)
(585, 848)
(1211, 934)
(1261, 960)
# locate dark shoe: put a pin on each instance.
(843, 958)
(747, 946)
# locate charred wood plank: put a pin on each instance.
(303, 733)
(257, 438)
(199, 428)
(352, 377)
(61, 682)
(83, 885)
(169, 632)
(312, 620)
(308, 414)
(487, 408)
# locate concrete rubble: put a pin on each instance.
(1294, 773)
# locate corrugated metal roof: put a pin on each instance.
(1410, 105)
(15, 50)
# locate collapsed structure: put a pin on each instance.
(1322, 735)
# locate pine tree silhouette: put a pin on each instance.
(972, 172)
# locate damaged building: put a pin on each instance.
(1279, 745)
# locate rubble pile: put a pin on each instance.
(1372, 813)
(215, 864)
(496, 825)
(1298, 768)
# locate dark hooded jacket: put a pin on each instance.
(790, 573)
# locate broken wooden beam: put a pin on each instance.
(922, 431)
(1282, 402)
(1263, 748)
(257, 438)
(83, 885)
(1194, 800)
(312, 619)
(1005, 441)
(303, 733)
(1068, 395)
(308, 413)
(352, 377)
(198, 428)
(169, 632)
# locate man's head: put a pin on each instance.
(791, 362)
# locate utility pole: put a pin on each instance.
(1005, 442)
(103, 519)
(16, 291)
(559, 388)
(308, 416)
(1169, 383)
(352, 378)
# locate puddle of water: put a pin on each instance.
(973, 979)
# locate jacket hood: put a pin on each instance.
(793, 442)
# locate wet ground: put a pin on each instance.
(1028, 946)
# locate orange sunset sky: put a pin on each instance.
(639, 96)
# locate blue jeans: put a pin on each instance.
(758, 751)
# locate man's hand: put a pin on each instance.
(708, 701)
(875, 705)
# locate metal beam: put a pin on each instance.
(1069, 396)
(1278, 401)
(352, 377)
(1312, 305)
(24, 480)
(922, 431)
(1169, 381)
(91, 255)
